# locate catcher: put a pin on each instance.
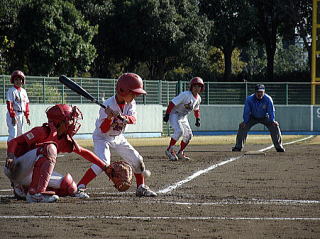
(110, 126)
(31, 157)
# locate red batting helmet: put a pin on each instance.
(67, 114)
(17, 74)
(129, 82)
(197, 81)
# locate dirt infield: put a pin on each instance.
(218, 194)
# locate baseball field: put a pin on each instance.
(217, 194)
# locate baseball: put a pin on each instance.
(146, 173)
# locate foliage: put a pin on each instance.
(53, 38)
(290, 59)
(51, 93)
(4, 49)
(216, 58)
(271, 19)
(158, 39)
(98, 12)
(231, 27)
(255, 57)
(162, 34)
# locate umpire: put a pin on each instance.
(259, 108)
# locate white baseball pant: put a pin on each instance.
(14, 130)
(122, 147)
(181, 127)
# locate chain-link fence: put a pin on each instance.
(49, 90)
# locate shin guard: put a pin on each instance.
(43, 169)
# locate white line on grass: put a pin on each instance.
(145, 218)
(198, 173)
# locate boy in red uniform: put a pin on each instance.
(31, 157)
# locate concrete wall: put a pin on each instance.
(228, 117)
(149, 118)
(213, 118)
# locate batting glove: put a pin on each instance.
(166, 117)
(197, 122)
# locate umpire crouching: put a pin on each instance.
(259, 108)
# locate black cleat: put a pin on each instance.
(280, 150)
(234, 149)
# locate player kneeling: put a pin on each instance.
(31, 157)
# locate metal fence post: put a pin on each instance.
(62, 94)
(159, 92)
(246, 84)
(287, 93)
(179, 87)
(43, 90)
(4, 89)
(98, 89)
(208, 93)
(144, 96)
(81, 86)
(168, 98)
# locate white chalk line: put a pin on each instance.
(146, 218)
(198, 173)
(239, 201)
(222, 202)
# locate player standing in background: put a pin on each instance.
(31, 157)
(110, 127)
(177, 115)
(259, 108)
(17, 105)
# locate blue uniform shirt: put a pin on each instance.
(258, 108)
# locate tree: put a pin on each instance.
(53, 38)
(98, 12)
(6, 45)
(256, 60)
(272, 18)
(9, 10)
(231, 27)
(303, 25)
(290, 59)
(162, 34)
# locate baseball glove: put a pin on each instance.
(120, 173)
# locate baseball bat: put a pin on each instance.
(78, 89)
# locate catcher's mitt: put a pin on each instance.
(120, 173)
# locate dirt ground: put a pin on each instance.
(218, 194)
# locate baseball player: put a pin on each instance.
(259, 108)
(177, 111)
(17, 105)
(110, 127)
(31, 157)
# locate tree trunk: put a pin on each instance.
(270, 50)
(227, 51)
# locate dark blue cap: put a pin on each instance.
(260, 87)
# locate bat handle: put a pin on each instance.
(102, 105)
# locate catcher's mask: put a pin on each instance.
(17, 74)
(196, 81)
(130, 82)
(69, 115)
